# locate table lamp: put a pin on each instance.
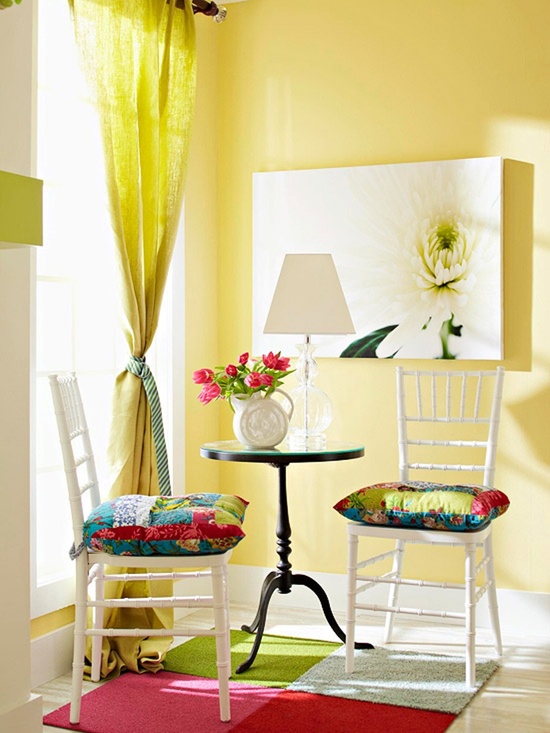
(308, 300)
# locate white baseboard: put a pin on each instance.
(514, 606)
(51, 654)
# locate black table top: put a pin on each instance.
(232, 450)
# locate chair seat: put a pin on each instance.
(159, 525)
(425, 505)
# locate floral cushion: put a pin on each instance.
(424, 505)
(195, 524)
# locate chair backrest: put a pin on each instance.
(76, 447)
(448, 421)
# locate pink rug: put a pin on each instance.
(168, 702)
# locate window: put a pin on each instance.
(77, 326)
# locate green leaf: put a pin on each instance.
(365, 347)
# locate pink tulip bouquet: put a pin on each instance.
(244, 378)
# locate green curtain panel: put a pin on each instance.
(139, 58)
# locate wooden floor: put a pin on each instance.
(515, 700)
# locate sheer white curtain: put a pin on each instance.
(77, 326)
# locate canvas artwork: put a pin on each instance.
(417, 246)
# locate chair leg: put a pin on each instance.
(97, 623)
(221, 630)
(227, 623)
(79, 648)
(492, 595)
(353, 543)
(394, 589)
(470, 611)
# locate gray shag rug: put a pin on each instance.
(411, 679)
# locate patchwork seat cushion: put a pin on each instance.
(166, 525)
(424, 505)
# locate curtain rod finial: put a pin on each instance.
(221, 14)
(216, 12)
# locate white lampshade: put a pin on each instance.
(308, 298)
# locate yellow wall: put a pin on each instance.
(51, 621)
(201, 257)
(316, 84)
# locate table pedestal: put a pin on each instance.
(283, 579)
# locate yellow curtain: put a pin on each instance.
(140, 61)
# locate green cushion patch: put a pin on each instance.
(425, 505)
(280, 660)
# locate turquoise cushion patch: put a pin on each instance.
(166, 525)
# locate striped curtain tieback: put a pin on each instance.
(137, 366)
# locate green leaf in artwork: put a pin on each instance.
(365, 347)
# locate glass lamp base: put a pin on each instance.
(302, 442)
(312, 413)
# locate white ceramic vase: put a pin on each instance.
(260, 421)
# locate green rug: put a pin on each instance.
(409, 679)
(280, 660)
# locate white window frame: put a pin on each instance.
(57, 591)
